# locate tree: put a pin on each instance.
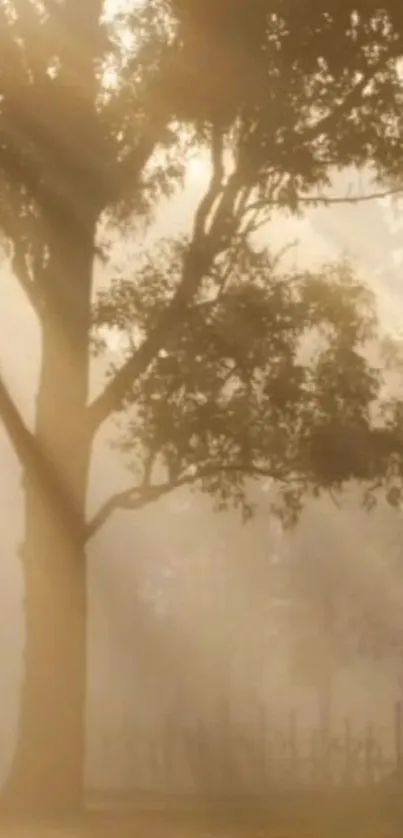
(341, 585)
(325, 572)
(97, 118)
(320, 594)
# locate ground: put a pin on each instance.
(306, 816)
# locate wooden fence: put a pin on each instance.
(224, 759)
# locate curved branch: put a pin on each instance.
(353, 199)
(22, 439)
(198, 256)
(37, 464)
(325, 200)
(197, 261)
(136, 498)
(216, 183)
(29, 287)
(130, 499)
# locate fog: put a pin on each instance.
(193, 613)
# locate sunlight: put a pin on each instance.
(119, 7)
(198, 170)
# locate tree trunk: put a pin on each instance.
(48, 769)
(49, 761)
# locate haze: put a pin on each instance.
(182, 598)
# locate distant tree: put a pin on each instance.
(98, 116)
(344, 594)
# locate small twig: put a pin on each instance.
(326, 200)
(334, 499)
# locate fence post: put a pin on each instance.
(292, 744)
(347, 750)
(315, 741)
(398, 738)
(369, 739)
(264, 749)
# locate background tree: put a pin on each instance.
(97, 118)
(341, 587)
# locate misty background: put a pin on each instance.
(189, 608)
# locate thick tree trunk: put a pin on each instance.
(49, 764)
(47, 773)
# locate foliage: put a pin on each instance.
(224, 380)
(296, 94)
(265, 375)
(235, 370)
(299, 90)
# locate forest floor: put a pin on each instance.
(375, 816)
(131, 828)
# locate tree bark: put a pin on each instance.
(47, 773)
(49, 764)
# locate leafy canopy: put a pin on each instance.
(86, 99)
(236, 369)
(266, 375)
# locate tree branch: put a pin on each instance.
(129, 169)
(216, 183)
(352, 199)
(112, 397)
(29, 287)
(23, 441)
(37, 465)
(11, 231)
(324, 200)
(136, 498)
(352, 99)
(196, 263)
(199, 256)
(156, 130)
